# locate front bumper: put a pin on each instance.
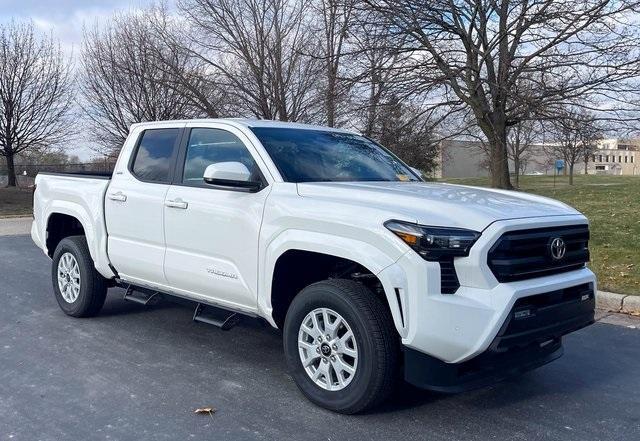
(457, 327)
(530, 337)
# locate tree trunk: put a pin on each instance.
(11, 171)
(516, 166)
(570, 173)
(330, 102)
(499, 160)
(586, 165)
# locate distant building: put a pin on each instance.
(461, 159)
(616, 157)
(619, 144)
(468, 159)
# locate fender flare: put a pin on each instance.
(97, 247)
(357, 251)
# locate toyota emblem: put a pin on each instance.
(557, 248)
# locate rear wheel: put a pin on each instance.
(341, 347)
(79, 289)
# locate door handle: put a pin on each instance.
(119, 196)
(177, 203)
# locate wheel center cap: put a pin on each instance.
(325, 349)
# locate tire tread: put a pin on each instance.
(379, 326)
(96, 285)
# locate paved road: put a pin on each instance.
(138, 373)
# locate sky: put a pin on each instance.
(65, 19)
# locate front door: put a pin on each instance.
(134, 206)
(212, 233)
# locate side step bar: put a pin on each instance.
(142, 296)
(211, 314)
(216, 316)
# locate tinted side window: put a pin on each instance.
(154, 154)
(210, 146)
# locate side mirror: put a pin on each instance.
(233, 175)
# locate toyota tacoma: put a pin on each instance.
(372, 274)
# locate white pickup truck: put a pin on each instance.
(371, 273)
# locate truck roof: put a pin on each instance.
(244, 123)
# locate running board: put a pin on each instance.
(212, 315)
(141, 296)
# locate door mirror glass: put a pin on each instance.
(230, 174)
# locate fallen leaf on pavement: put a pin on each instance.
(207, 410)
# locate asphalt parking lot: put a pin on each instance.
(138, 373)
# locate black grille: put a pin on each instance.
(524, 254)
(549, 315)
(449, 283)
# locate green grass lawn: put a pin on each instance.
(612, 204)
(15, 201)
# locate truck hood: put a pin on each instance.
(438, 204)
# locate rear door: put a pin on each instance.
(134, 205)
(212, 233)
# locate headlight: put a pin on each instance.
(434, 243)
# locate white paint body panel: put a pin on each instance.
(75, 196)
(136, 225)
(223, 248)
(220, 262)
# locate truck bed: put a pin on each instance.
(80, 196)
(81, 174)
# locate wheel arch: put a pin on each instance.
(64, 219)
(318, 254)
(59, 226)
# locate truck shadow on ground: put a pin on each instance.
(117, 306)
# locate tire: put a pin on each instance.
(88, 298)
(376, 341)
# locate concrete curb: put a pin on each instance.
(613, 302)
(13, 226)
(16, 216)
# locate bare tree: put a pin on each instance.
(484, 53)
(337, 20)
(406, 131)
(520, 138)
(124, 79)
(372, 72)
(261, 50)
(185, 70)
(590, 134)
(35, 93)
(576, 132)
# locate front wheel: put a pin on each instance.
(80, 290)
(340, 345)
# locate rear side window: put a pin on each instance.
(153, 160)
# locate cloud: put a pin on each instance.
(65, 18)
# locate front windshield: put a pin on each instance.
(303, 155)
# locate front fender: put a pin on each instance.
(357, 251)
